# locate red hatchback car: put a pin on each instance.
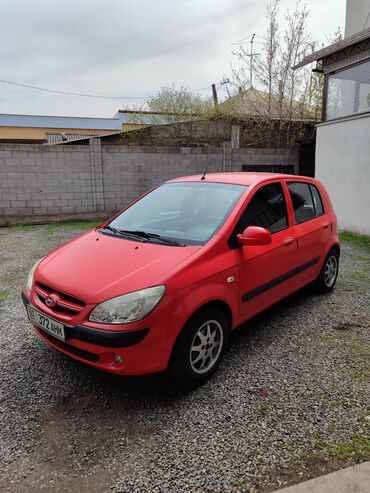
(162, 283)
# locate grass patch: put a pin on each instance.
(3, 295)
(82, 226)
(359, 357)
(357, 447)
(21, 227)
(359, 276)
(266, 408)
(53, 227)
(362, 241)
(353, 352)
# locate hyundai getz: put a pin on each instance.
(161, 285)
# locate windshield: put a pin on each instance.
(188, 212)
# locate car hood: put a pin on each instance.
(96, 266)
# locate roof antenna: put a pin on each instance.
(204, 174)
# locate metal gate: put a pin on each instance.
(269, 168)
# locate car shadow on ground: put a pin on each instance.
(160, 389)
(154, 390)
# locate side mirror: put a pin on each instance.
(254, 236)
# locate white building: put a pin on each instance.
(343, 137)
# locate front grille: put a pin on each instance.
(65, 303)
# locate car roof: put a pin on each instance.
(244, 178)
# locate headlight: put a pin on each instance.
(30, 275)
(129, 307)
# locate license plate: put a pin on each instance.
(46, 324)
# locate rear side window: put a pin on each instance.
(306, 201)
(317, 202)
(266, 209)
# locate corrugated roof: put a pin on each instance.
(335, 47)
(254, 103)
(152, 117)
(43, 121)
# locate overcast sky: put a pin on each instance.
(127, 47)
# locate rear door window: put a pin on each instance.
(306, 201)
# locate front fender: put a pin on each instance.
(222, 287)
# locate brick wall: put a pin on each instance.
(42, 183)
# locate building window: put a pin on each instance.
(348, 91)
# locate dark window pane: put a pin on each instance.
(302, 201)
(266, 209)
(348, 91)
(319, 209)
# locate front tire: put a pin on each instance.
(329, 273)
(200, 346)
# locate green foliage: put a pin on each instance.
(83, 226)
(358, 446)
(362, 241)
(175, 103)
(3, 295)
(21, 227)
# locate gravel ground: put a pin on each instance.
(289, 401)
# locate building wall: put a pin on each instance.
(41, 183)
(35, 133)
(126, 127)
(357, 16)
(343, 165)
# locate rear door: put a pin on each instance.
(265, 273)
(312, 228)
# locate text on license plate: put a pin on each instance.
(46, 324)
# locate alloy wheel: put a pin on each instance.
(331, 268)
(206, 347)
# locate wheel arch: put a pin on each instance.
(220, 304)
(335, 247)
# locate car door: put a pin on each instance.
(312, 228)
(265, 273)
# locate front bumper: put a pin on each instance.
(142, 350)
(106, 338)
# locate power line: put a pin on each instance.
(79, 94)
(66, 93)
(202, 88)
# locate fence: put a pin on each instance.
(40, 183)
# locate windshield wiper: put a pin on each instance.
(142, 235)
(114, 230)
(123, 232)
(149, 236)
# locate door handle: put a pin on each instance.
(289, 240)
(325, 224)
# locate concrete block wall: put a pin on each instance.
(37, 180)
(43, 183)
(264, 157)
(130, 171)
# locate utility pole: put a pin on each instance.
(312, 45)
(215, 98)
(251, 54)
(225, 82)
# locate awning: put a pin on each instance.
(335, 47)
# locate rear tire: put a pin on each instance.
(199, 347)
(329, 273)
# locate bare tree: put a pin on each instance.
(175, 105)
(179, 108)
(281, 93)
